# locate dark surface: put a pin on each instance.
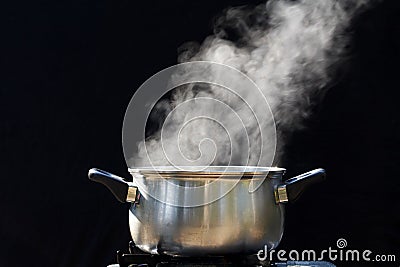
(69, 66)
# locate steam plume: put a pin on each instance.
(288, 48)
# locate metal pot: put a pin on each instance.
(238, 221)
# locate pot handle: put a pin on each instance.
(122, 190)
(292, 188)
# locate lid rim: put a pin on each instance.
(212, 171)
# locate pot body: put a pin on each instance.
(239, 222)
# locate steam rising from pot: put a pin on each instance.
(290, 49)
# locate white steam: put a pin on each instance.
(288, 48)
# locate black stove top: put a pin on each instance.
(137, 258)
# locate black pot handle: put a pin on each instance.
(122, 190)
(292, 188)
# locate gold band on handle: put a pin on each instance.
(133, 195)
(281, 194)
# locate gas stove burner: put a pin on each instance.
(137, 258)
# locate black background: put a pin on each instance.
(70, 69)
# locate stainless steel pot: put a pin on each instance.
(238, 222)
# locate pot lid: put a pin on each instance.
(208, 171)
